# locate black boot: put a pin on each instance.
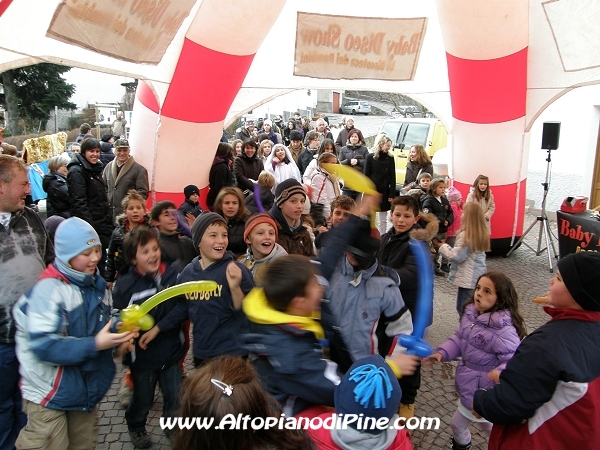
(456, 446)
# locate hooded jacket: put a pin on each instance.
(89, 200)
(57, 321)
(442, 210)
(467, 266)
(257, 267)
(245, 169)
(217, 326)
(58, 203)
(290, 357)
(131, 176)
(281, 170)
(549, 393)
(135, 288)
(485, 342)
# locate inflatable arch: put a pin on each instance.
(487, 68)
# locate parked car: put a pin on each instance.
(356, 107)
(405, 133)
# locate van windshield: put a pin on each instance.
(416, 134)
(406, 133)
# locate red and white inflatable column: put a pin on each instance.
(177, 141)
(486, 47)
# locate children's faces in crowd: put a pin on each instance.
(293, 207)
(339, 215)
(559, 296)
(280, 153)
(482, 185)
(440, 190)
(267, 147)
(424, 183)
(147, 257)
(167, 222)
(135, 211)
(86, 261)
(262, 240)
(213, 243)
(403, 218)
(194, 198)
(230, 206)
(238, 149)
(485, 295)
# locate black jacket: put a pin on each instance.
(413, 170)
(89, 200)
(58, 202)
(176, 247)
(106, 153)
(134, 288)
(305, 158)
(382, 171)
(219, 177)
(358, 152)
(246, 168)
(442, 211)
(267, 199)
(235, 235)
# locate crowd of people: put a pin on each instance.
(308, 301)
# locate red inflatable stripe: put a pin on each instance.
(204, 84)
(505, 200)
(488, 91)
(146, 96)
(178, 198)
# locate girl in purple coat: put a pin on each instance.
(489, 333)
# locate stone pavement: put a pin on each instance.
(437, 397)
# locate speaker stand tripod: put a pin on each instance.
(542, 221)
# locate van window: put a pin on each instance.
(392, 129)
(416, 134)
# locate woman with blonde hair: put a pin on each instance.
(467, 257)
(419, 162)
(228, 386)
(381, 169)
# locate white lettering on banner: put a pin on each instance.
(357, 48)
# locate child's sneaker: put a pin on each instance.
(140, 439)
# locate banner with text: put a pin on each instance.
(358, 48)
(132, 30)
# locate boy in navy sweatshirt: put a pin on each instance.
(217, 316)
(143, 276)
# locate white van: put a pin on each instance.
(430, 133)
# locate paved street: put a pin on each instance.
(437, 397)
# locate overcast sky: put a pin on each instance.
(95, 87)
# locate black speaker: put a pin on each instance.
(550, 135)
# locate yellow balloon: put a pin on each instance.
(353, 179)
(137, 315)
(146, 322)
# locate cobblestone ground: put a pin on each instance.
(437, 397)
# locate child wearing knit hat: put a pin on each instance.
(294, 235)
(549, 393)
(261, 236)
(190, 208)
(216, 315)
(64, 343)
(368, 394)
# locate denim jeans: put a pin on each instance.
(464, 295)
(12, 418)
(144, 383)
